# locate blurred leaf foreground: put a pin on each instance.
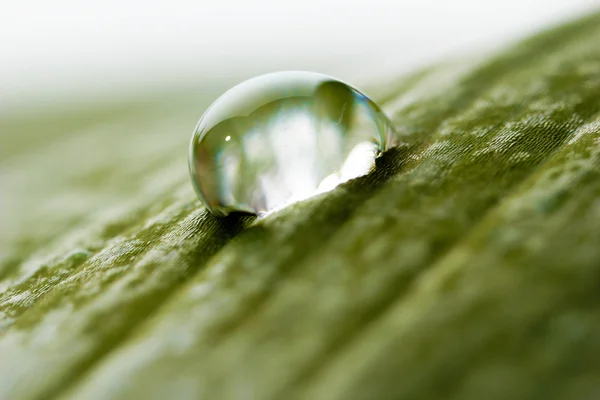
(466, 267)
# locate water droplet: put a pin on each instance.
(282, 137)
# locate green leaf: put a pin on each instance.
(466, 267)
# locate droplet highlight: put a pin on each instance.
(283, 137)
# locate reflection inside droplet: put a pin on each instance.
(283, 137)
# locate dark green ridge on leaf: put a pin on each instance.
(465, 267)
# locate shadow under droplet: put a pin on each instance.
(235, 222)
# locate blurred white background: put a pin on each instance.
(52, 49)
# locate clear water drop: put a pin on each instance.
(283, 137)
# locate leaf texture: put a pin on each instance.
(467, 266)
